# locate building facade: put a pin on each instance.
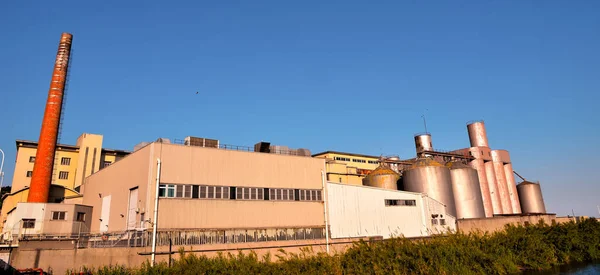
(347, 168)
(206, 188)
(72, 164)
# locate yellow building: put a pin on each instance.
(348, 168)
(72, 164)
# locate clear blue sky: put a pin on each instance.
(340, 75)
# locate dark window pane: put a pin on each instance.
(266, 191)
(211, 192)
(203, 192)
(232, 193)
(219, 192)
(195, 191)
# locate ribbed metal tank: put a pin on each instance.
(466, 190)
(530, 196)
(382, 177)
(430, 177)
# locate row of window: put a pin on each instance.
(237, 193)
(400, 203)
(56, 216)
(357, 160)
(63, 161)
(63, 175)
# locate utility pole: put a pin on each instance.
(424, 123)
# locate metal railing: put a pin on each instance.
(143, 237)
(240, 148)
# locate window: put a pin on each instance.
(31, 159)
(80, 216)
(359, 160)
(400, 203)
(63, 175)
(59, 215)
(250, 193)
(28, 223)
(373, 162)
(442, 221)
(166, 190)
(107, 163)
(65, 161)
(310, 195)
(342, 159)
(29, 173)
(434, 221)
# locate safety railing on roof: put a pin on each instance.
(241, 148)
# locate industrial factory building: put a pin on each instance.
(72, 164)
(198, 191)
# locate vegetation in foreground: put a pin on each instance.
(538, 247)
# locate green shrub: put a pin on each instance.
(540, 246)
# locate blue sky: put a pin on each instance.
(337, 75)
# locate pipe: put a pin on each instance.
(155, 224)
(519, 175)
(41, 179)
(325, 211)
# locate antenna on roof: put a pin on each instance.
(424, 120)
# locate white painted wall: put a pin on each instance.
(26, 211)
(360, 211)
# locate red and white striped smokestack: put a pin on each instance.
(41, 178)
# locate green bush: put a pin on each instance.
(540, 246)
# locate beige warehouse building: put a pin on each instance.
(207, 188)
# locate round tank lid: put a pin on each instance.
(382, 170)
(425, 162)
(457, 165)
(527, 182)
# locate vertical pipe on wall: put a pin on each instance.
(325, 211)
(41, 178)
(155, 221)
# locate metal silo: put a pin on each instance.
(423, 143)
(493, 185)
(477, 134)
(503, 192)
(530, 196)
(512, 188)
(382, 177)
(430, 177)
(479, 166)
(466, 190)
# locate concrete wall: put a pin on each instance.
(60, 260)
(135, 170)
(498, 223)
(357, 211)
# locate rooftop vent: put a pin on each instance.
(201, 142)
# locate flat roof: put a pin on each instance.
(345, 153)
(34, 144)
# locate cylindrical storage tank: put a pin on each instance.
(477, 134)
(433, 179)
(479, 166)
(382, 177)
(501, 181)
(530, 196)
(423, 143)
(493, 186)
(512, 188)
(466, 190)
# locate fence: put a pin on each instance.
(143, 237)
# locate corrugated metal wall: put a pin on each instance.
(357, 211)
